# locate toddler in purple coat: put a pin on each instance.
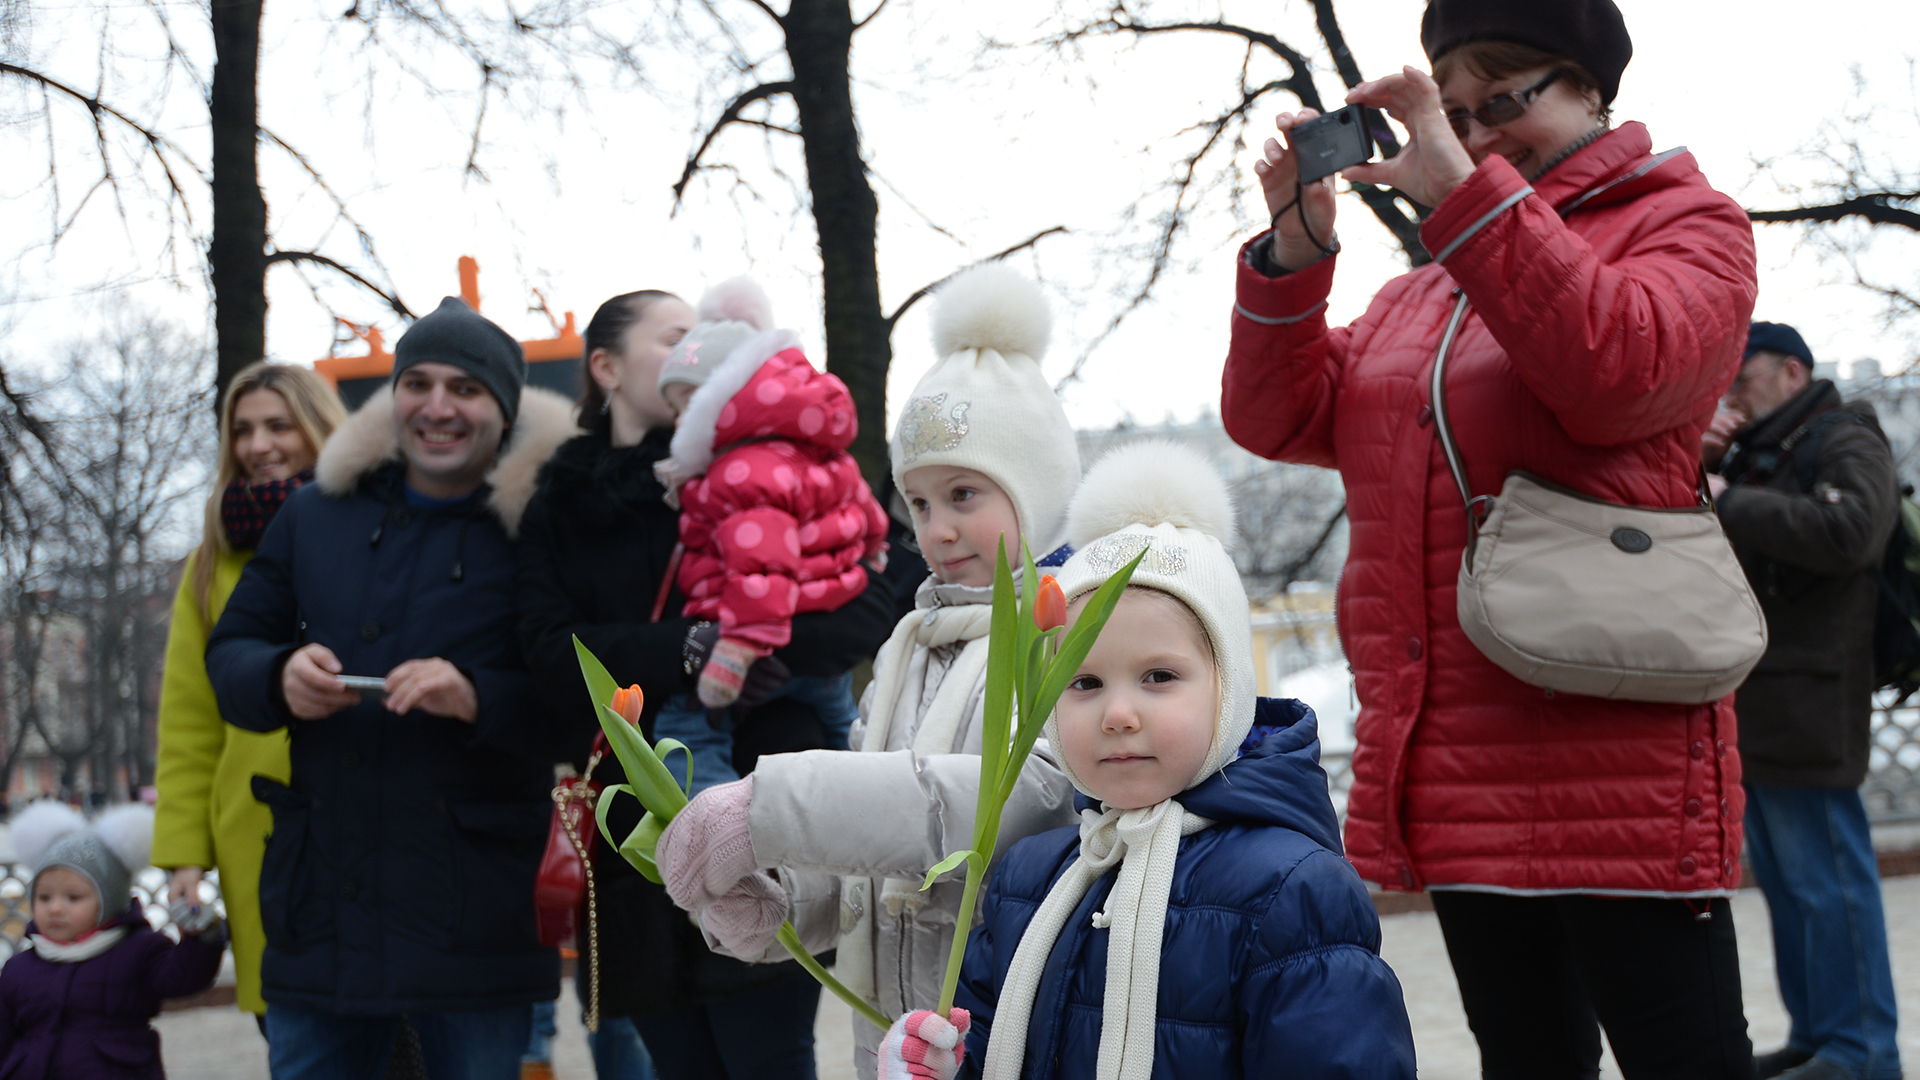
(76, 1005)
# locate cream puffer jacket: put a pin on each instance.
(853, 834)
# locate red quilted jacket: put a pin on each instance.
(1593, 352)
(781, 519)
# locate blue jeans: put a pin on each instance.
(539, 1049)
(1813, 854)
(307, 1044)
(618, 1053)
(684, 718)
(757, 1034)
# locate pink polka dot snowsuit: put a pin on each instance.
(782, 519)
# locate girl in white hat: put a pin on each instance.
(1200, 921)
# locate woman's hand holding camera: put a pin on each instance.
(1433, 162)
(1279, 173)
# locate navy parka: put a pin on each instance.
(399, 874)
(1270, 961)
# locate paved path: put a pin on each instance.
(221, 1044)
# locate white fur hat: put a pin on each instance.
(730, 314)
(986, 406)
(116, 846)
(1169, 499)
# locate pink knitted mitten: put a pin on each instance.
(748, 917)
(923, 1045)
(708, 848)
(726, 670)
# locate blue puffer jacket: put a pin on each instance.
(399, 875)
(1270, 963)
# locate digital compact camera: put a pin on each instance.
(1326, 144)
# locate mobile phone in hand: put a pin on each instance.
(369, 685)
(1326, 144)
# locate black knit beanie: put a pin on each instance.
(454, 333)
(1591, 33)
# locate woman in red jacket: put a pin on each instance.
(1580, 851)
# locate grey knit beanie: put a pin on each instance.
(454, 333)
(107, 852)
(86, 854)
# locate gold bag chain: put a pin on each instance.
(580, 788)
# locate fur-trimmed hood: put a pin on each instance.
(765, 388)
(367, 440)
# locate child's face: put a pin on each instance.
(958, 517)
(64, 904)
(1138, 718)
(677, 395)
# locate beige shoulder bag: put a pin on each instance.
(1583, 596)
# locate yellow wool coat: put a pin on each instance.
(207, 815)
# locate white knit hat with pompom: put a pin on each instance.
(729, 314)
(1168, 499)
(985, 405)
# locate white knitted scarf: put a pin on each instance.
(73, 952)
(931, 628)
(1145, 844)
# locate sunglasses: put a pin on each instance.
(1501, 108)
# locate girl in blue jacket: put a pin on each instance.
(1201, 920)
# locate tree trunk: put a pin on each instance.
(819, 40)
(237, 254)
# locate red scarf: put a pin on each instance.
(246, 509)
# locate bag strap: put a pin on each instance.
(600, 745)
(1479, 506)
(667, 580)
(1437, 398)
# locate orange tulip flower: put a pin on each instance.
(627, 703)
(1049, 604)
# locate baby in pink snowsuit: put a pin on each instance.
(774, 514)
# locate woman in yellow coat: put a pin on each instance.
(273, 421)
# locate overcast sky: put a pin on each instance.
(970, 153)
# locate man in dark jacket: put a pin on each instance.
(1808, 495)
(398, 880)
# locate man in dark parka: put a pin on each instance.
(398, 880)
(1809, 500)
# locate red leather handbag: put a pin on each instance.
(566, 865)
(565, 881)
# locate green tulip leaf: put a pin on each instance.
(947, 864)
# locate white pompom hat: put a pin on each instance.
(1168, 499)
(730, 313)
(986, 406)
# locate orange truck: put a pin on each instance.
(555, 363)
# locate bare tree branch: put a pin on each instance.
(1877, 208)
(919, 293)
(159, 145)
(360, 231)
(392, 300)
(1291, 572)
(727, 116)
(1173, 223)
(769, 126)
(877, 9)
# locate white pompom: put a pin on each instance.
(992, 306)
(127, 830)
(39, 826)
(1151, 482)
(737, 300)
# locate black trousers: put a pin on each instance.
(1540, 976)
